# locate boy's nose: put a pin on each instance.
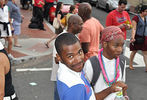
(78, 59)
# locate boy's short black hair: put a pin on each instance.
(64, 39)
(122, 2)
(143, 8)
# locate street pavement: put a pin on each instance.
(32, 80)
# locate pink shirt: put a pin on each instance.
(91, 34)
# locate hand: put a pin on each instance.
(122, 25)
(62, 26)
(132, 40)
(118, 84)
(127, 26)
(22, 16)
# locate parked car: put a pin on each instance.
(80, 1)
(93, 2)
(65, 9)
(109, 4)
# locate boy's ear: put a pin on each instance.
(58, 58)
(105, 44)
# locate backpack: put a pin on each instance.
(97, 69)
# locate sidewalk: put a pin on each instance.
(32, 40)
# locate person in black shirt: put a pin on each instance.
(7, 91)
(59, 15)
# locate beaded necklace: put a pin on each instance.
(104, 73)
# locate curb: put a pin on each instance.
(16, 61)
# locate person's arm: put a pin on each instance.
(84, 37)
(10, 20)
(103, 94)
(85, 47)
(134, 24)
(101, 29)
(2, 76)
(52, 38)
(59, 19)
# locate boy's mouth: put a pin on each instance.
(78, 65)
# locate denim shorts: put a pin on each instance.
(17, 28)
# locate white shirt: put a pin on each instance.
(55, 66)
(4, 17)
(4, 14)
(1, 46)
(100, 84)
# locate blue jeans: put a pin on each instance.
(56, 95)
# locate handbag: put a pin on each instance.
(56, 24)
(139, 39)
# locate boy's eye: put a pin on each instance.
(70, 56)
(80, 52)
(118, 45)
(115, 46)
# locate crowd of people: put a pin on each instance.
(88, 58)
(74, 64)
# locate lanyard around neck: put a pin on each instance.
(104, 73)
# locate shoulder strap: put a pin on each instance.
(144, 26)
(137, 25)
(96, 69)
(122, 63)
